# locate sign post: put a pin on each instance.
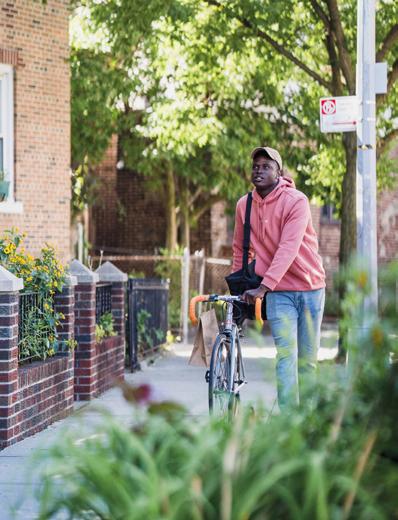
(358, 114)
(366, 142)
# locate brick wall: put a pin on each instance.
(109, 363)
(34, 38)
(329, 246)
(387, 235)
(97, 365)
(35, 395)
(45, 395)
(85, 353)
(129, 215)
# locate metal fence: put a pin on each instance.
(103, 300)
(206, 275)
(211, 270)
(147, 324)
(31, 307)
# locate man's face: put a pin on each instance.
(265, 172)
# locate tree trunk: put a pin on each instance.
(186, 225)
(171, 230)
(348, 232)
(348, 236)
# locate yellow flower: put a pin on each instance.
(362, 279)
(377, 336)
(55, 284)
(47, 307)
(29, 279)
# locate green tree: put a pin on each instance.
(219, 77)
(177, 101)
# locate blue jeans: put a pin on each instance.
(295, 319)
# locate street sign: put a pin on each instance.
(338, 114)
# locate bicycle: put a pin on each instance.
(226, 374)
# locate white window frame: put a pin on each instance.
(7, 125)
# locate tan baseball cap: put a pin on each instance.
(271, 152)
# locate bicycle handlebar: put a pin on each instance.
(192, 303)
(205, 298)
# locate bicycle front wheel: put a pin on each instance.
(219, 375)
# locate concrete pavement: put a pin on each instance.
(171, 378)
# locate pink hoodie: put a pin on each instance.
(282, 239)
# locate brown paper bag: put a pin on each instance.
(204, 339)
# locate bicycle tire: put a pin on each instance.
(219, 373)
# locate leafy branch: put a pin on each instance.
(283, 50)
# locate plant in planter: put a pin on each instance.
(42, 276)
(4, 186)
(105, 327)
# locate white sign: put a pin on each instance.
(338, 114)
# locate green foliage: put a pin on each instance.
(44, 275)
(38, 339)
(194, 85)
(170, 269)
(105, 327)
(137, 274)
(147, 337)
(335, 457)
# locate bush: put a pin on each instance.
(43, 275)
(105, 327)
(171, 270)
(335, 458)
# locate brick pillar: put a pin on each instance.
(85, 352)
(109, 273)
(64, 302)
(10, 286)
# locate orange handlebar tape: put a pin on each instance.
(192, 304)
(258, 310)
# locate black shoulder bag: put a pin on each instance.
(246, 278)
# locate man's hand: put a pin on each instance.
(251, 295)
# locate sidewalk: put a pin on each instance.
(171, 378)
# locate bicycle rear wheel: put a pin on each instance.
(219, 374)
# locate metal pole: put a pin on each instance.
(185, 294)
(202, 262)
(366, 140)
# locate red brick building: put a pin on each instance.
(128, 216)
(35, 120)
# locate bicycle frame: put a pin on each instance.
(231, 331)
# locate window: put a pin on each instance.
(7, 135)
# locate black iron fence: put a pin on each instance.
(103, 300)
(32, 329)
(147, 317)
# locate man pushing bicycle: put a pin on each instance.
(285, 246)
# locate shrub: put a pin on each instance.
(43, 275)
(171, 269)
(105, 327)
(335, 458)
(147, 337)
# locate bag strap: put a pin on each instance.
(246, 232)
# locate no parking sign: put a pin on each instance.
(338, 114)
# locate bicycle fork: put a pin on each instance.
(231, 331)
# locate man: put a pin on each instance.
(285, 246)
